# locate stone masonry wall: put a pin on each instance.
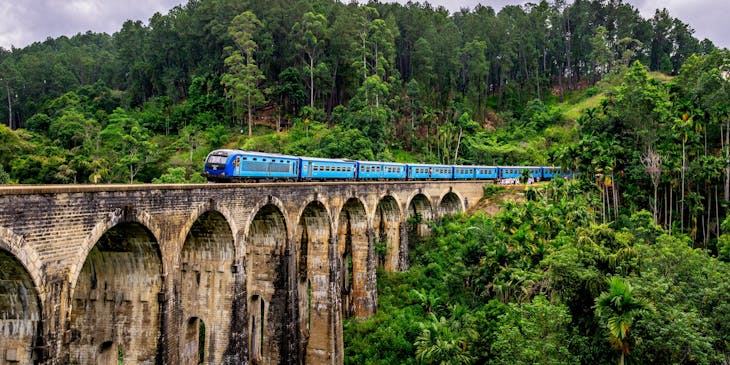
(167, 274)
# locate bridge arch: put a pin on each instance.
(387, 226)
(420, 211)
(313, 235)
(267, 276)
(451, 203)
(211, 205)
(114, 218)
(207, 288)
(353, 251)
(20, 303)
(116, 302)
(25, 254)
(270, 201)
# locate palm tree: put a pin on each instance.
(618, 308)
(443, 342)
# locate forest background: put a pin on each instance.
(638, 108)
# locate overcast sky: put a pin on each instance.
(26, 21)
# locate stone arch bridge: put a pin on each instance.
(189, 274)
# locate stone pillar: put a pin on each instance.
(294, 348)
(57, 322)
(336, 336)
(371, 285)
(403, 260)
(237, 350)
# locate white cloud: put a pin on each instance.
(28, 21)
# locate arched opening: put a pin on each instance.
(116, 311)
(419, 214)
(267, 276)
(352, 242)
(193, 342)
(20, 308)
(450, 204)
(313, 278)
(207, 285)
(387, 233)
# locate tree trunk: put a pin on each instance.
(458, 143)
(656, 204)
(681, 192)
(10, 106)
(250, 121)
(727, 160)
(311, 82)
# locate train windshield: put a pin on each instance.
(217, 159)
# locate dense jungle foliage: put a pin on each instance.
(627, 262)
(384, 81)
(544, 281)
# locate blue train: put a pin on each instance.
(228, 165)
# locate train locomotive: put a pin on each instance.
(228, 165)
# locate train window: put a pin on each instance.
(245, 158)
(255, 159)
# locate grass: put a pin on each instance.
(573, 111)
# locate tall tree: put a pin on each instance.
(243, 76)
(311, 34)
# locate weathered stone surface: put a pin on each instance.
(244, 273)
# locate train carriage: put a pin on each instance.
(424, 171)
(367, 170)
(464, 172)
(236, 165)
(515, 172)
(486, 172)
(551, 172)
(327, 168)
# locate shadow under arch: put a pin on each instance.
(114, 218)
(116, 296)
(212, 205)
(21, 325)
(450, 203)
(420, 212)
(268, 276)
(313, 235)
(387, 226)
(207, 288)
(25, 254)
(358, 278)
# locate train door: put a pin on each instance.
(309, 169)
(237, 166)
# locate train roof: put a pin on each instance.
(319, 159)
(427, 165)
(255, 153)
(382, 163)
